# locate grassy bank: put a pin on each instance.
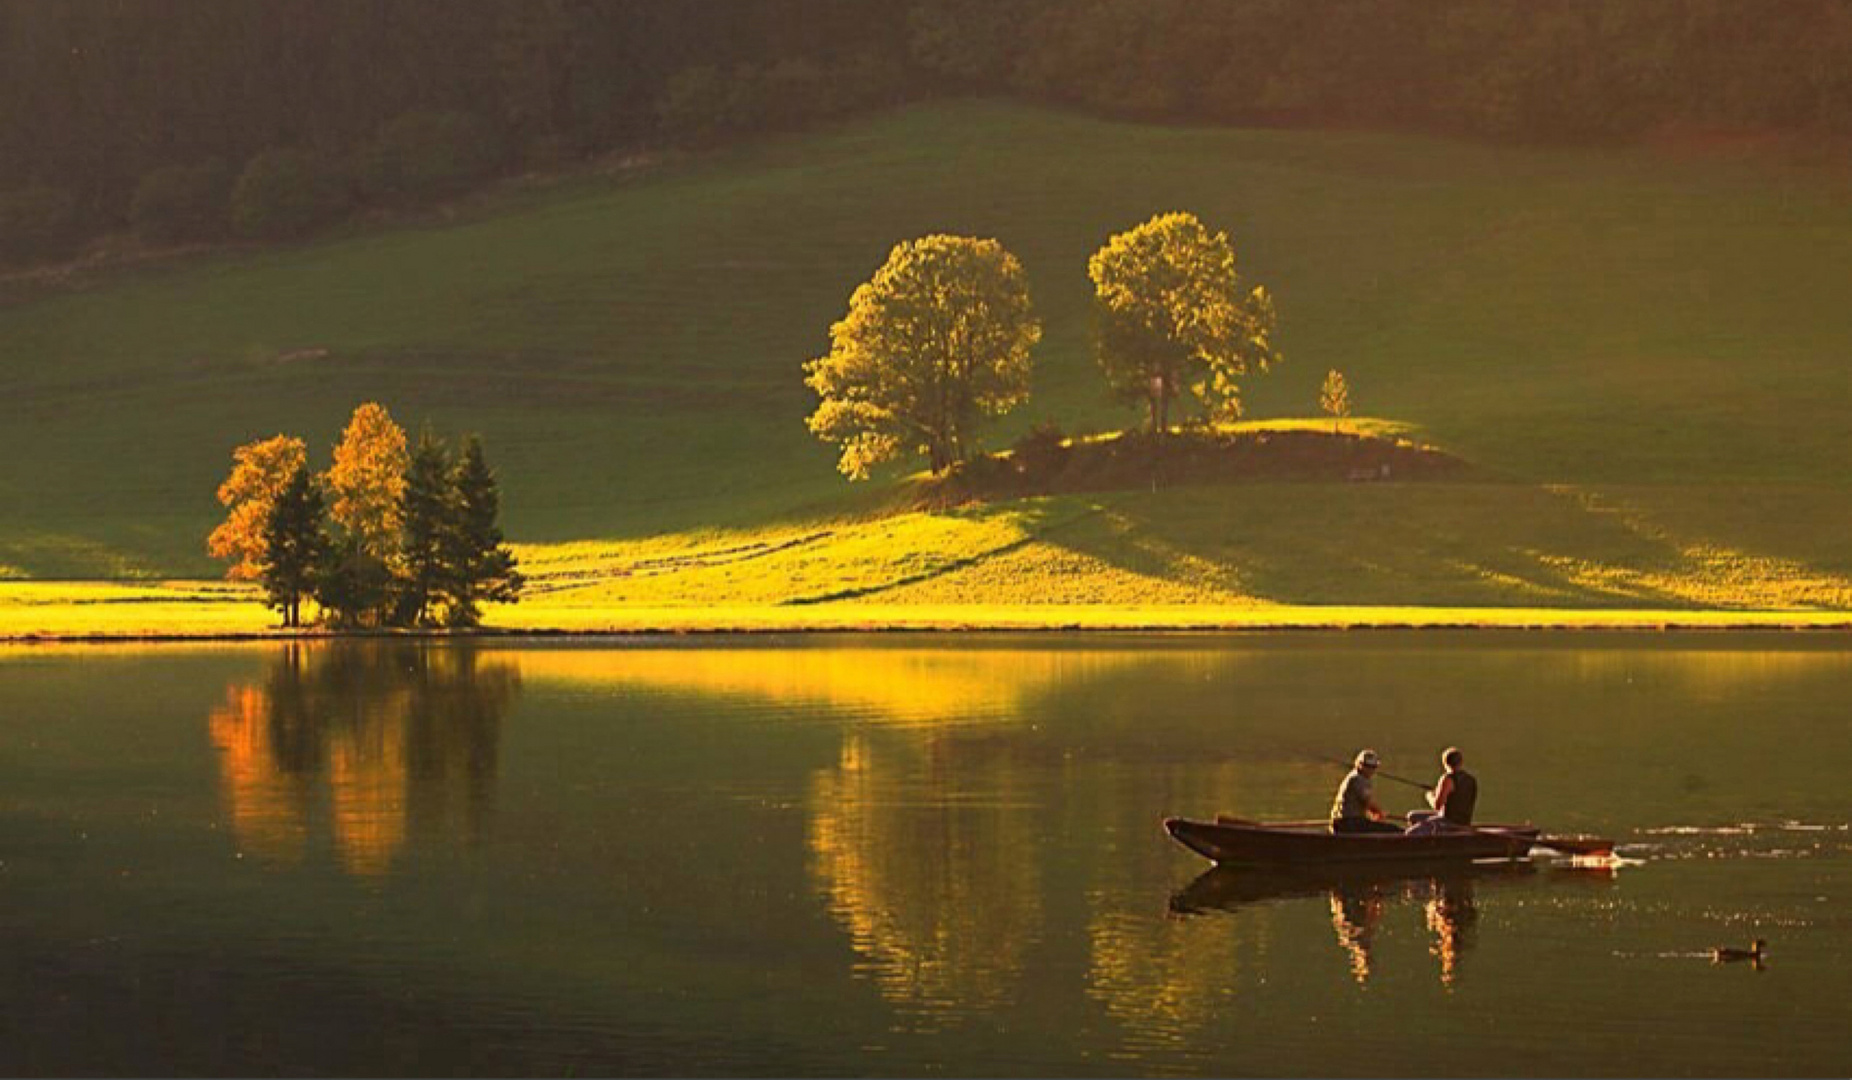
(1641, 357)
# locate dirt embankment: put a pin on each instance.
(1132, 461)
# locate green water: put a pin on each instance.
(911, 855)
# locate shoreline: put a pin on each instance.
(211, 622)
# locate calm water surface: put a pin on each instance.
(906, 856)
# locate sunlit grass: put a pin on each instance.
(631, 351)
(111, 609)
(1641, 358)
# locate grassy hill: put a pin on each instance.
(1647, 354)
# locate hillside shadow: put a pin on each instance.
(1443, 544)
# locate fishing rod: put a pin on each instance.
(1569, 845)
(1379, 772)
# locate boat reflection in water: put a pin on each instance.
(1361, 895)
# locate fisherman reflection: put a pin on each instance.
(1358, 907)
(1453, 919)
(1356, 913)
(402, 737)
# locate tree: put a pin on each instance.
(354, 586)
(1173, 315)
(294, 545)
(939, 336)
(425, 155)
(283, 194)
(260, 472)
(37, 223)
(479, 568)
(367, 481)
(1334, 398)
(181, 202)
(427, 513)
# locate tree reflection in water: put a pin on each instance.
(922, 848)
(385, 740)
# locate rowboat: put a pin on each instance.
(1232, 843)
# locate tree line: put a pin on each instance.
(271, 118)
(387, 536)
(941, 337)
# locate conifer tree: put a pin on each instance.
(427, 514)
(478, 567)
(353, 586)
(294, 546)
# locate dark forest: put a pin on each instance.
(192, 119)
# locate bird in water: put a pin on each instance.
(1723, 954)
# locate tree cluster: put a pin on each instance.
(385, 537)
(941, 336)
(270, 118)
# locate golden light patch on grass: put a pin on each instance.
(793, 565)
(1041, 574)
(1710, 576)
(1701, 571)
(864, 616)
(133, 609)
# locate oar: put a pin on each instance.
(1591, 845)
(1568, 845)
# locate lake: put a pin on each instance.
(909, 854)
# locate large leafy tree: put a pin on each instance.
(294, 545)
(1174, 317)
(260, 472)
(478, 567)
(367, 481)
(938, 338)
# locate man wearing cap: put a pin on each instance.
(1355, 809)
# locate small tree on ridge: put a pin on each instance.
(1334, 398)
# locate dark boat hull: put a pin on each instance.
(1262, 845)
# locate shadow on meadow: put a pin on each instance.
(1465, 544)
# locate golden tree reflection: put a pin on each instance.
(925, 686)
(402, 737)
(1162, 980)
(932, 875)
(268, 806)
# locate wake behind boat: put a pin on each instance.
(1240, 843)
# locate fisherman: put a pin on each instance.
(1453, 798)
(1355, 810)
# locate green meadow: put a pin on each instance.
(1643, 356)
